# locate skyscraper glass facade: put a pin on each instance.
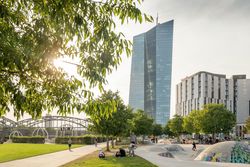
(136, 95)
(150, 73)
(156, 63)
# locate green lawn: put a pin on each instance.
(9, 152)
(92, 160)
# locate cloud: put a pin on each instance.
(202, 9)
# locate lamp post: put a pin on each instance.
(79, 65)
(58, 63)
(67, 66)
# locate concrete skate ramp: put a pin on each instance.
(174, 147)
(229, 151)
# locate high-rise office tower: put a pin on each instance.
(150, 82)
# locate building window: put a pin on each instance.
(219, 93)
(195, 103)
(230, 105)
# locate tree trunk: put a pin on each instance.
(108, 144)
(213, 137)
(112, 142)
(143, 138)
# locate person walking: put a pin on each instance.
(194, 146)
(69, 143)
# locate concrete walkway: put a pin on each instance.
(182, 159)
(53, 159)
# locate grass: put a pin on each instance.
(9, 152)
(92, 160)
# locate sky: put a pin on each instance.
(209, 35)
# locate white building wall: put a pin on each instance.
(195, 86)
(192, 95)
(209, 86)
(188, 96)
(189, 89)
(216, 88)
(202, 85)
(230, 95)
(223, 88)
(243, 102)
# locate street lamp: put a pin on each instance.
(67, 66)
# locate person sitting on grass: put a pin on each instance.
(120, 153)
(101, 154)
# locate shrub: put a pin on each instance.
(28, 139)
(101, 139)
(86, 139)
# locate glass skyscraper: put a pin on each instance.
(150, 82)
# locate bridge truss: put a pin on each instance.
(55, 122)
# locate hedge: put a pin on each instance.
(28, 139)
(86, 139)
(101, 139)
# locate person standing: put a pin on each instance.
(131, 149)
(133, 138)
(95, 142)
(69, 143)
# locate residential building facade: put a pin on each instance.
(203, 88)
(151, 71)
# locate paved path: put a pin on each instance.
(182, 159)
(53, 159)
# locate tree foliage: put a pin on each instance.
(34, 33)
(117, 123)
(217, 119)
(192, 122)
(167, 131)
(176, 125)
(248, 124)
(142, 123)
(157, 130)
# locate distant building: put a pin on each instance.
(203, 88)
(150, 82)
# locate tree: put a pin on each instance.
(34, 33)
(176, 125)
(157, 130)
(114, 125)
(217, 119)
(142, 124)
(192, 122)
(166, 129)
(248, 124)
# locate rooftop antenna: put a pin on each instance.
(157, 17)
